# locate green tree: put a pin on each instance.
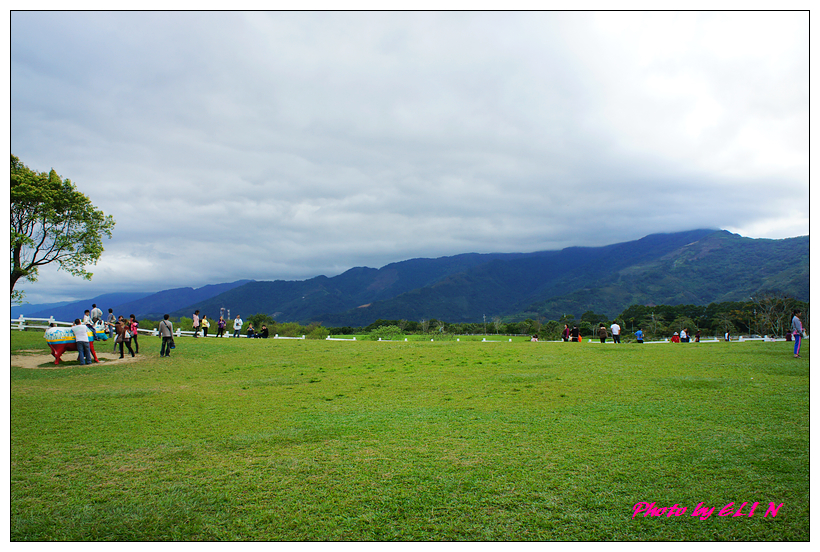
(315, 330)
(290, 329)
(594, 319)
(723, 323)
(682, 322)
(551, 330)
(388, 333)
(51, 222)
(261, 318)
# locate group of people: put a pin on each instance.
(685, 336)
(124, 330)
(203, 324)
(614, 330)
(574, 334)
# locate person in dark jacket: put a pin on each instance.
(123, 335)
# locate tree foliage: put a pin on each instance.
(387, 333)
(52, 222)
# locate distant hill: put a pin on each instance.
(695, 267)
(144, 305)
(310, 299)
(718, 267)
(154, 306)
(28, 309)
(67, 312)
(698, 267)
(508, 287)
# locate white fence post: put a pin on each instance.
(21, 323)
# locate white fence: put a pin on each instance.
(24, 323)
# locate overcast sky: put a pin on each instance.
(287, 145)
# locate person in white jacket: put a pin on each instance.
(237, 326)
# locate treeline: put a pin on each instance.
(768, 314)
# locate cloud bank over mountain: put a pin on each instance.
(284, 145)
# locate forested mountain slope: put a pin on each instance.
(698, 267)
(695, 267)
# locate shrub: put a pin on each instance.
(316, 331)
(391, 332)
(289, 329)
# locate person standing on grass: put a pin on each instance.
(81, 337)
(797, 331)
(639, 335)
(166, 331)
(616, 332)
(237, 326)
(123, 336)
(602, 333)
(576, 334)
(565, 333)
(196, 323)
(220, 327)
(110, 323)
(96, 314)
(205, 325)
(133, 327)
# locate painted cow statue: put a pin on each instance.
(62, 339)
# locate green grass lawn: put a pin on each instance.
(316, 440)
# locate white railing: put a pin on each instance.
(24, 323)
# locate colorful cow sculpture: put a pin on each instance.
(62, 339)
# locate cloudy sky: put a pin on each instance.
(284, 145)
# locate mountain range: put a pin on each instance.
(694, 267)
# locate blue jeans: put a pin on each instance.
(84, 352)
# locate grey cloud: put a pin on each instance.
(291, 144)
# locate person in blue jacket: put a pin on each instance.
(639, 335)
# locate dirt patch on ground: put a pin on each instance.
(38, 361)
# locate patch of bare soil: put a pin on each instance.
(40, 361)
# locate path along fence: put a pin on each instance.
(24, 323)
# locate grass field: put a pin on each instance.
(317, 440)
